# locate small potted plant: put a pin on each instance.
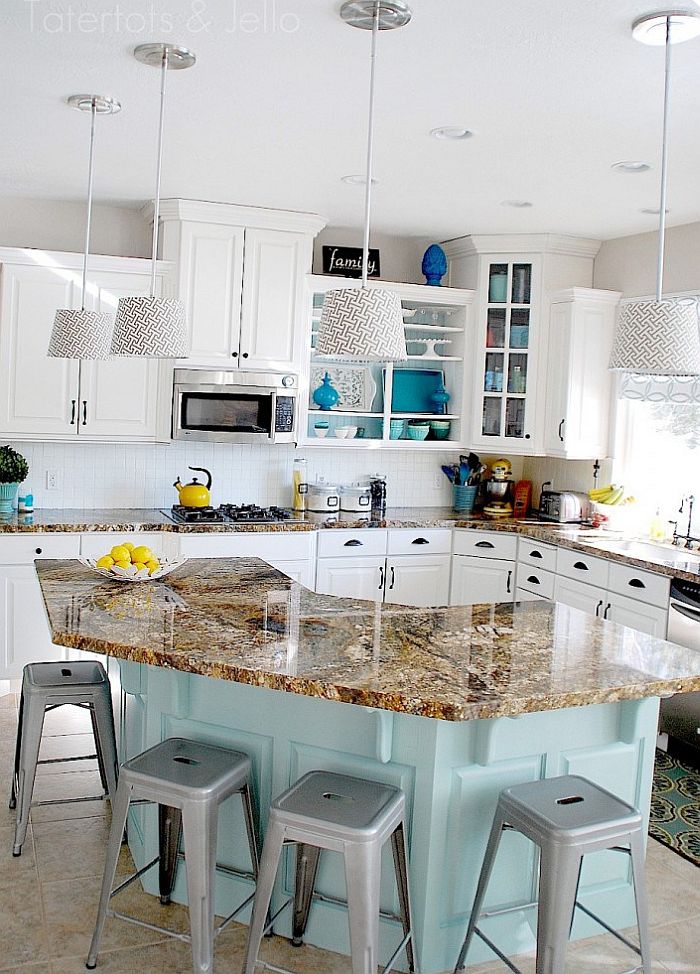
(13, 470)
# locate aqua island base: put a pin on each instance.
(452, 773)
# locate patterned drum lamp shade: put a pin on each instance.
(150, 327)
(80, 334)
(363, 324)
(657, 338)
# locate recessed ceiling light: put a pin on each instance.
(653, 210)
(357, 179)
(453, 132)
(651, 29)
(633, 166)
(517, 204)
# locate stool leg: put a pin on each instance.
(30, 730)
(362, 876)
(98, 751)
(559, 872)
(398, 848)
(269, 861)
(18, 747)
(484, 876)
(105, 741)
(200, 820)
(307, 866)
(169, 832)
(640, 896)
(247, 800)
(120, 810)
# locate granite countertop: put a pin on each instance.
(239, 619)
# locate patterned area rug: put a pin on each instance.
(675, 806)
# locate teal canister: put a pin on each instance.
(463, 498)
(326, 396)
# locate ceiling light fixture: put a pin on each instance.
(80, 333)
(366, 323)
(517, 204)
(630, 168)
(660, 337)
(651, 29)
(454, 133)
(357, 179)
(153, 327)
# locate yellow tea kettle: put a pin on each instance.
(194, 494)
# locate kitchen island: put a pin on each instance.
(450, 704)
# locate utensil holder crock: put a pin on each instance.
(463, 498)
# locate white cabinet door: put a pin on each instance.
(24, 629)
(481, 580)
(354, 578)
(418, 580)
(636, 615)
(271, 316)
(38, 395)
(588, 598)
(119, 396)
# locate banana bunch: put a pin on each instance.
(613, 495)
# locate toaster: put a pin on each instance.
(563, 506)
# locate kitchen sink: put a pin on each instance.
(648, 551)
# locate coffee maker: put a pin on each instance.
(498, 496)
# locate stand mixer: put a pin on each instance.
(499, 490)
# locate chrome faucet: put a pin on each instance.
(689, 538)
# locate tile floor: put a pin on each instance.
(48, 895)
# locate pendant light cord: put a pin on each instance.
(664, 165)
(91, 167)
(370, 145)
(156, 207)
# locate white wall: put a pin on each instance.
(628, 264)
(564, 474)
(400, 257)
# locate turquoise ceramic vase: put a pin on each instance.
(440, 399)
(326, 396)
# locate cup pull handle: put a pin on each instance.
(534, 580)
(420, 541)
(582, 567)
(535, 553)
(483, 544)
(636, 583)
(354, 543)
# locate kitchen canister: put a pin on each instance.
(463, 498)
(356, 499)
(322, 498)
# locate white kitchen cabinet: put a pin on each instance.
(477, 580)
(588, 598)
(422, 580)
(293, 553)
(579, 384)
(352, 578)
(53, 398)
(240, 272)
(637, 615)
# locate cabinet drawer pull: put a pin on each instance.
(84, 412)
(608, 607)
(72, 411)
(582, 566)
(393, 579)
(420, 541)
(508, 581)
(535, 553)
(561, 428)
(483, 544)
(354, 543)
(636, 583)
(381, 577)
(598, 607)
(38, 550)
(534, 580)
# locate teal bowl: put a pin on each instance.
(440, 428)
(417, 432)
(395, 429)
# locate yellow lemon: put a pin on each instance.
(127, 544)
(139, 566)
(153, 564)
(120, 553)
(105, 562)
(152, 567)
(123, 563)
(142, 554)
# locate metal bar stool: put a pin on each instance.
(194, 779)
(347, 815)
(46, 686)
(567, 818)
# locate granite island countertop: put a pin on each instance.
(240, 619)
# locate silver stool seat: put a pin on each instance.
(193, 780)
(566, 818)
(355, 818)
(46, 686)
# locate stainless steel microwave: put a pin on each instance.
(234, 407)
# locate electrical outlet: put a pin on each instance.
(52, 480)
(438, 480)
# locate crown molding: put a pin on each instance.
(521, 243)
(235, 215)
(584, 293)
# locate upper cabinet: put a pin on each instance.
(53, 398)
(514, 276)
(579, 384)
(240, 272)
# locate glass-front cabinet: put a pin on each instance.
(420, 403)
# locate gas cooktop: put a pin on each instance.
(228, 514)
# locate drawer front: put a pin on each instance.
(254, 544)
(362, 542)
(164, 544)
(415, 542)
(537, 554)
(584, 568)
(536, 581)
(522, 595)
(485, 544)
(636, 584)
(23, 549)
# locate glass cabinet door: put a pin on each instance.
(505, 379)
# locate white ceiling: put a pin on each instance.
(555, 90)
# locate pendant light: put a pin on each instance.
(366, 324)
(660, 337)
(153, 327)
(80, 333)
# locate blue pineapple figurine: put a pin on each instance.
(326, 396)
(434, 264)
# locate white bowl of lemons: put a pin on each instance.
(127, 562)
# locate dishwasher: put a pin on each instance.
(680, 714)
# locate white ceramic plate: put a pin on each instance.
(124, 575)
